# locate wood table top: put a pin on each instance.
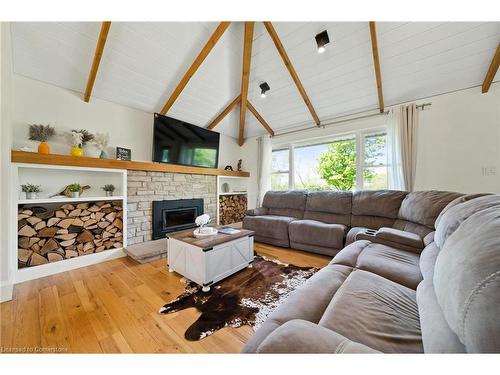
(209, 242)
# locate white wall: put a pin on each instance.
(459, 135)
(38, 102)
(5, 141)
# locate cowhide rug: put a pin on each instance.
(246, 297)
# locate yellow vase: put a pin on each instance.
(76, 151)
(43, 148)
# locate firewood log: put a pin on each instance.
(37, 259)
(54, 257)
(47, 232)
(27, 231)
(50, 245)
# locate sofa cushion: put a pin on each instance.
(285, 203)
(467, 281)
(301, 336)
(269, 225)
(396, 265)
(317, 233)
(308, 302)
(437, 335)
(376, 312)
(383, 203)
(332, 207)
(451, 218)
(423, 207)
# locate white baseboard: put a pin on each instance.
(6, 291)
(30, 273)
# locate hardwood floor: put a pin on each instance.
(112, 307)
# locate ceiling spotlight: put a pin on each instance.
(322, 40)
(264, 87)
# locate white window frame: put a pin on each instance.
(358, 135)
(290, 165)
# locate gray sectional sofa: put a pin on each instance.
(428, 281)
(324, 221)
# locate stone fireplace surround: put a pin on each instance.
(144, 187)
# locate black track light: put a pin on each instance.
(322, 40)
(264, 87)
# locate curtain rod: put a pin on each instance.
(335, 122)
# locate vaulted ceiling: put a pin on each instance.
(142, 64)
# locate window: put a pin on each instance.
(327, 165)
(280, 169)
(375, 161)
(352, 162)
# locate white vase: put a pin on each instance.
(75, 194)
(31, 195)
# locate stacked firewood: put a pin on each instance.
(232, 208)
(49, 235)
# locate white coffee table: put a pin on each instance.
(209, 260)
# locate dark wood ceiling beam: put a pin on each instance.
(281, 49)
(245, 77)
(219, 31)
(101, 42)
(492, 71)
(376, 64)
(260, 118)
(224, 113)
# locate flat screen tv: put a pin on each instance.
(178, 142)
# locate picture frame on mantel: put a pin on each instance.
(123, 153)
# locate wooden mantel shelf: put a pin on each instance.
(83, 161)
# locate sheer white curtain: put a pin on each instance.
(402, 124)
(264, 160)
(395, 170)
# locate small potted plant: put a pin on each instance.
(101, 140)
(41, 133)
(75, 190)
(31, 190)
(109, 189)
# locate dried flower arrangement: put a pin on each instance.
(86, 136)
(41, 133)
(76, 138)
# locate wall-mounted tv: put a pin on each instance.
(179, 142)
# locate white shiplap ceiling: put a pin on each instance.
(143, 62)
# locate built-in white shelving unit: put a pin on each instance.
(236, 185)
(53, 179)
(70, 200)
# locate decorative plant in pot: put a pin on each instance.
(41, 133)
(31, 190)
(101, 140)
(109, 189)
(203, 231)
(75, 190)
(80, 138)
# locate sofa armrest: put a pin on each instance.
(400, 236)
(257, 211)
(301, 336)
(396, 238)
